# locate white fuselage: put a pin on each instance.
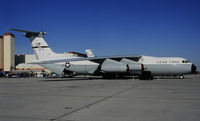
(166, 65)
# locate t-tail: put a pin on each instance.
(40, 47)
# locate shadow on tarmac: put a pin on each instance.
(83, 78)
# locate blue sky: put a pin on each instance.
(108, 27)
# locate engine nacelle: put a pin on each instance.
(111, 66)
(115, 68)
(134, 67)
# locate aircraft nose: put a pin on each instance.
(193, 69)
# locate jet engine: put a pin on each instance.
(111, 66)
(115, 68)
(134, 67)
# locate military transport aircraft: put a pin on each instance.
(109, 67)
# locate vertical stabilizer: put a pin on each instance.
(39, 46)
(89, 53)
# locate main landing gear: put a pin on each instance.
(146, 75)
(181, 77)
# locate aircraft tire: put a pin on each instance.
(181, 77)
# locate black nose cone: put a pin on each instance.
(193, 69)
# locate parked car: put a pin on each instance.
(2, 74)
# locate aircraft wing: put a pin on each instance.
(99, 60)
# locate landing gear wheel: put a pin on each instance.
(181, 77)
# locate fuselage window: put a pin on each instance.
(175, 61)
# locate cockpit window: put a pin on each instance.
(185, 61)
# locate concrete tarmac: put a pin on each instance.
(83, 99)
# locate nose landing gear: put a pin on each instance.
(181, 77)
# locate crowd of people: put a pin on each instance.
(23, 74)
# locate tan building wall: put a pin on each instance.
(30, 58)
(9, 53)
(1, 53)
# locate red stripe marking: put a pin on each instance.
(142, 67)
(127, 68)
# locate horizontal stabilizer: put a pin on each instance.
(29, 34)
